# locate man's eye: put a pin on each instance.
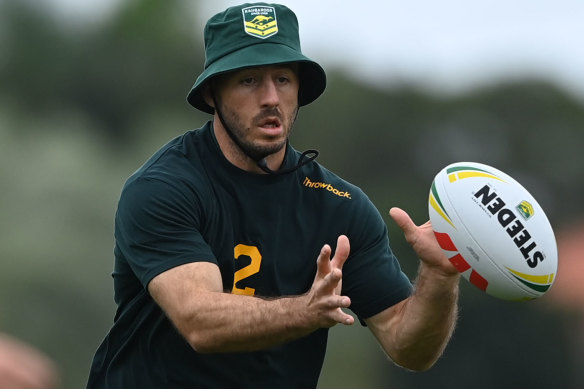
(248, 81)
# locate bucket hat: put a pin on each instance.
(255, 34)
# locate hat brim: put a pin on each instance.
(311, 75)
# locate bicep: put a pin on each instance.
(178, 290)
(158, 229)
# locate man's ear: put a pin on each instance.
(207, 93)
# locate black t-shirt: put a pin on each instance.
(187, 203)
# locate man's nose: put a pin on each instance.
(270, 96)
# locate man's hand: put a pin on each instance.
(424, 243)
(324, 299)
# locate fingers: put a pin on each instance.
(328, 278)
(331, 281)
(341, 252)
(343, 318)
(325, 293)
(402, 219)
(323, 264)
(423, 241)
(332, 311)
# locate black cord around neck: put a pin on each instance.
(303, 160)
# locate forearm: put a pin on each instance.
(223, 322)
(428, 319)
(415, 332)
(214, 321)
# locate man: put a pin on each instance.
(224, 272)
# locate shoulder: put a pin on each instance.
(342, 203)
(178, 163)
(172, 177)
(336, 191)
(350, 201)
(317, 177)
(176, 159)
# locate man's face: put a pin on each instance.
(258, 106)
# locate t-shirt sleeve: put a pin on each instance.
(372, 276)
(157, 227)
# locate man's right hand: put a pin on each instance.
(324, 298)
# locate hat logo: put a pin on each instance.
(260, 21)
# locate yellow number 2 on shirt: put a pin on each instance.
(249, 270)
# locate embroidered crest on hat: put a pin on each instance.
(260, 21)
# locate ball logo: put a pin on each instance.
(525, 209)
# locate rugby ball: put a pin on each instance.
(493, 231)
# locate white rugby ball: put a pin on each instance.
(493, 231)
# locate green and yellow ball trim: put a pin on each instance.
(537, 283)
(456, 173)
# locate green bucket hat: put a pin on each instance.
(254, 35)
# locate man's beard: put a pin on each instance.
(237, 130)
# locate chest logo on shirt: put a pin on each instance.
(323, 185)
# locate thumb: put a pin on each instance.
(403, 220)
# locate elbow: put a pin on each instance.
(201, 346)
(416, 365)
(209, 341)
(202, 342)
(416, 361)
(200, 339)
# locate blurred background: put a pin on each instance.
(89, 90)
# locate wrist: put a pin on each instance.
(435, 281)
(299, 318)
(438, 272)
